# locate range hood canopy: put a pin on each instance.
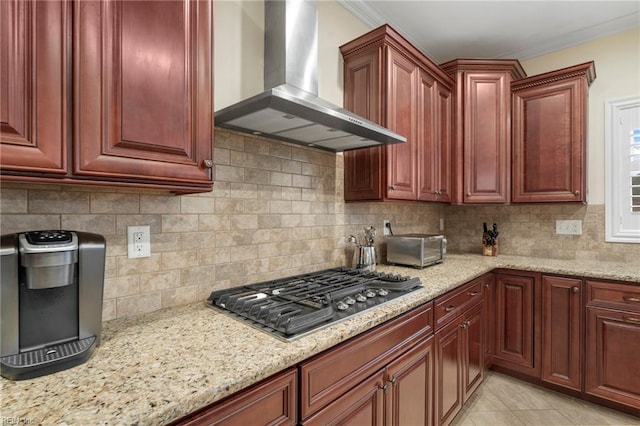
(290, 110)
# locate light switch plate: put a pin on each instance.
(569, 227)
(138, 241)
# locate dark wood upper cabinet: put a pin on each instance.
(550, 135)
(388, 81)
(482, 129)
(142, 83)
(34, 83)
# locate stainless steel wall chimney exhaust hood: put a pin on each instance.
(290, 110)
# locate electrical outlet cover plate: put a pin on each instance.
(385, 227)
(569, 227)
(138, 241)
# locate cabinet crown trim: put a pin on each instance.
(587, 70)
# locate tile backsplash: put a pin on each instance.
(276, 210)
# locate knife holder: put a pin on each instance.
(490, 250)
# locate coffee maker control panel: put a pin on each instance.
(48, 237)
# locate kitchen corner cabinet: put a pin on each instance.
(517, 309)
(459, 342)
(481, 150)
(550, 135)
(562, 319)
(270, 402)
(390, 82)
(612, 370)
(141, 78)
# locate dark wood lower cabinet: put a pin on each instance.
(612, 362)
(562, 331)
(271, 402)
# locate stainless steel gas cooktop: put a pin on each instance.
(294, 306)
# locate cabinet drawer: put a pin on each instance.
(450, 305)
(613, 295)
(332, 373)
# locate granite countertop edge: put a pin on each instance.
(159, 367)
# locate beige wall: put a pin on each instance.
(617, 61)
(239, 49)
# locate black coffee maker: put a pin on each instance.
(50, 301)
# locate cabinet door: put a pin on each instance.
(562, 331)
(427, 139)
(363, 170)
(402, 76)
(448, 372)
(143, 91)
(549, 135)
(474, 349)
(488, 289)
(272, 402)
(409, 398)
(612, 362)
(515, 325)
(34, 85)
(486, 137)
(361, 406)
(443, 138)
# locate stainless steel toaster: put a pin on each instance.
(417, 250)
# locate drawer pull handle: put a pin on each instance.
(384, 387)
(631, 299)
(474, 293)
(449, 308)
(575, 289)
(393, 380)
(631, 319)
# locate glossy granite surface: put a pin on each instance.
(159, 367)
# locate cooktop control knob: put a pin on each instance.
(342, 306)
(360, 298)
(382, 292)
(370, 293)
(349, 300)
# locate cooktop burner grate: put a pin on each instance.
(293, 306)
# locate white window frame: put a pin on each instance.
(615, 154)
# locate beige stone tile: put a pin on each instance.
(115, 203)
(291, 193)
(162, 242)
(291, 220)
(243, 159)
(116, 245)
(269, 221)
(279, 150)
(221, 156)
(180, 296)
(255, 206)
(195, 204)
(159, 204)
(230, 271)
(207, 257)
(104, 224)
(121, 286)
(256, 145)
(180, 222)
(243, 190)
(301, 181)
(197, 240)
(239, 253)
(198, 275)
(266, 162)
(110, 267)
(223, 255)
(58, 202)
(159, 281)
(179, 259)
(138, 304)
(214, 222)
(280, 179)
(11, 223)
(229, 139)
(244, 221)
(142, 265)
(494, 418)
(13, 200)
(270, 192)
(108, 309)
(228, 173)
(280, 206)
(542, 417)
(221, 189)
(256, 176)
(294, 167)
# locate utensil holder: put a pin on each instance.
(365, 257)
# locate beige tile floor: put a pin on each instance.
(503, 400)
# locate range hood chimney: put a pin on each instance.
(289, 109)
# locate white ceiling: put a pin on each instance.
(515, 29)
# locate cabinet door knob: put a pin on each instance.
(208, 163)
(468, 194)
(384, 387)
(392, 188)
(393, 380)
(449, 308)
(473, 293)
(576, 193)
(464, 325)
(575, 289)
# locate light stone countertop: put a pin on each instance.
(158, 367)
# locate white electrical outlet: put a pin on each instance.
(138, 241)
(386, 227)
(569, 227)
